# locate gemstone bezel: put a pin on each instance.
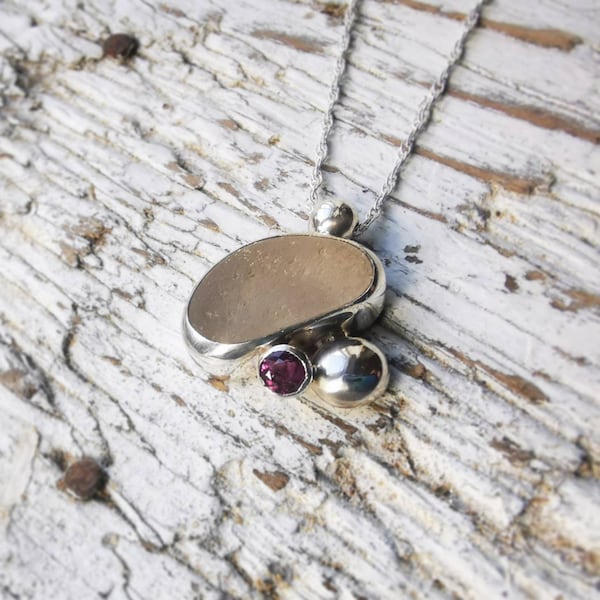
(301, 359)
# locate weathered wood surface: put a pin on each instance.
(475, 476)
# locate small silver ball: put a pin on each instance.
(349, 372)
(334, 218)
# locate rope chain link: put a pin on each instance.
(422, 118)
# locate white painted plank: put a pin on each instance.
(476, 475)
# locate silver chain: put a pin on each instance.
(422, 118)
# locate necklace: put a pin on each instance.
(299, 300)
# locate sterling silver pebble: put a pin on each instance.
(299, 301)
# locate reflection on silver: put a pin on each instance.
(349, 372)
(334, 218)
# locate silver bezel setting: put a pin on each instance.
(301, 356)
(350, 319)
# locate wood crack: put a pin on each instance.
(302, 43)
(545, 38)
(531, 114)
(26, 378)
(515, 383)
(512, 183)
(121, 182)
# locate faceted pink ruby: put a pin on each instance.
(282, 372)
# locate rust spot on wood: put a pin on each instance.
(69, 254)
(426, 213)
(413, 259)
(269, 221)
(196, 182)
(112, 360)
(335, 446)
(438, 584)
(276, 480)
(122, 293)
(589, 467)
(312, 448)
(591, 561)
(344, 477)
(509, 182)
(382, 423)
(91, 229)
(546, 38)
(176, 12)
(543, 375)
(535, 276)
(298, 42)
(416, 370)
(178, 399)
(85, 478)
(209, 224)
(120, 45)
(516, 384)
(60, 458)
(346, 427)
(443, 491)
(229, 188)
(429, 8)
(512, 450)
(579, 299)
(262, 184)
(582, 361)
(229, 124)
(151, 257)
(254, 158)
(510, 283)
(532, 114)
(332, 9)
(278, 580)
(219, 383)
(500, 250)
(537, 521)
(16, 381)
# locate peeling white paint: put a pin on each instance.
(122, 184)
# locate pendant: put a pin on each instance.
(297, 301)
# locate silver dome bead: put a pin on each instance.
(334, 218)
(349, 372)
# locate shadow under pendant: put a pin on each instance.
(297, 301)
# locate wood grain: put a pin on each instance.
(123, 181)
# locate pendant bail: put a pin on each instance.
(334, 218)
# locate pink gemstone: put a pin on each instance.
(283, 372)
